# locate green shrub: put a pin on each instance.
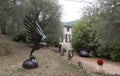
(112, 53)
(84, 37)
(20, 35)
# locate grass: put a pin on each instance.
(49, 63)
(72, 67)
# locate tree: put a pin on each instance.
(84, 36)
(47, 10)
(110, 25)
(11, 15)
(106, 27)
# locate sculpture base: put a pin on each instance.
(30, 64)
(100, 69)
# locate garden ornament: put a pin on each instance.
(36, 36)
(99, 67)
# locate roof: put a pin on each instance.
(69, 24)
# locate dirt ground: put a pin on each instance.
(13, 54)
(49, 63)
(110, 68)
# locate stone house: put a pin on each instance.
(65, 41)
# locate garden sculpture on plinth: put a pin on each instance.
(36, 36)
(99, 68)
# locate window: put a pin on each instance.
(68, 29)
(66, 38)
(69, 38)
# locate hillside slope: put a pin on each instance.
(49, 63)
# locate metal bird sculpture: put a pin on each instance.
(36, 36)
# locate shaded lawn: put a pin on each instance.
(49, 63)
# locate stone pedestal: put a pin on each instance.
(30, 64)
(100, 69)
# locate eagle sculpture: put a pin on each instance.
(36, 36)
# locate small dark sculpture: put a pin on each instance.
(35, 35)
(70, 54)
(60, 47)
(79, 64)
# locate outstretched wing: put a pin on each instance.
(35, 33)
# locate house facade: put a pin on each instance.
(65, 41)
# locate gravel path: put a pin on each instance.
(89, 64)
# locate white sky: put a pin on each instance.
(72, 10)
